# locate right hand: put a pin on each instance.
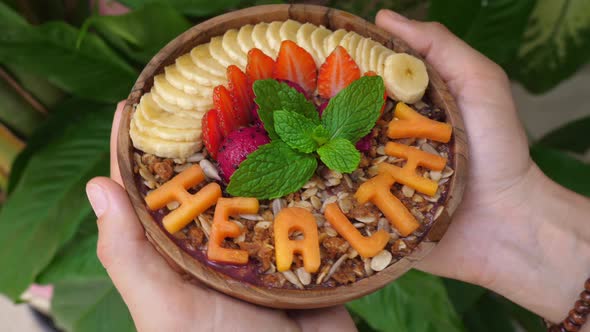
(510, 233)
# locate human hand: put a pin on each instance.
(157, 297)
(516, 232)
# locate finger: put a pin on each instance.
(115, 173)
(451, 57)
(135, 267)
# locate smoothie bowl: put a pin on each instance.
(292, 156)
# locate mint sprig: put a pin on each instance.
(299, 137)
(272, 95)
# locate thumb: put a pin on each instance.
(133, 264)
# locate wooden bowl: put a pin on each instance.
(193, 270)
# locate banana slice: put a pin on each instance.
(175, 109)
(363, 54)
(273, 36)
(289, 30)
(333, 40)
(304, 40)
(155, 114)
(203, 59)
(318, 40)
(374, 55)
(245, 38)
(380, 68)
(217, 51)
(165, 133)
(231, 47)
(174, 77)
(179, 97)
(160, 147)
(405, 78)
(350, 42)
(260, 41)
(188, 69)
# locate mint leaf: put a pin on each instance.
(272, 95)
(274, 170)
(340, 155)
(296, 130)
(320, 135)
(352, 113)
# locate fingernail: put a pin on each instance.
(97, 198)
(395, 16)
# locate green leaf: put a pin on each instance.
(198, 8)
(296, 130)
(11, 17)
(273, 96)
(526, 319)
(274, 170)
(91, 70)
(77, 259)
(416, 302)
(563, 169)
(38, 86)
(340, 155)
(16, 112)
(48, 203)
(555, 43)
(463, 295)
(136, 35)
(65, 115)
(90, 306)
(494, 27)
(352, 113)
(488, 315)
(571, 137)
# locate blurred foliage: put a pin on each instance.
(63, 58)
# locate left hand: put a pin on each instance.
(157, 297)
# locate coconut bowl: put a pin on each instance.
(192, 269)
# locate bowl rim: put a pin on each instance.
(196, 272)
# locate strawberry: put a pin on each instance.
(237, 146)
(372, 73)
(260, 65)
(241, 94)
(337, 72)
(295, 64)
(212, 136)
(228, 121)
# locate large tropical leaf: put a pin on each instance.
(556, 43)
(417, 302)
(16, 112)
(48, 203)
(488, 315)
(571, 137)
(199, 8)
(463, 295)
(77, 260)
(90, 306)
(563, 168)
(492, 27)
(143, 32)
(90, 69)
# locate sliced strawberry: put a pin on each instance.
(372, 73)
(337, 72)
(295, 64)
(228, 121)
(212, 136)
(260, 65)
(241, 94)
